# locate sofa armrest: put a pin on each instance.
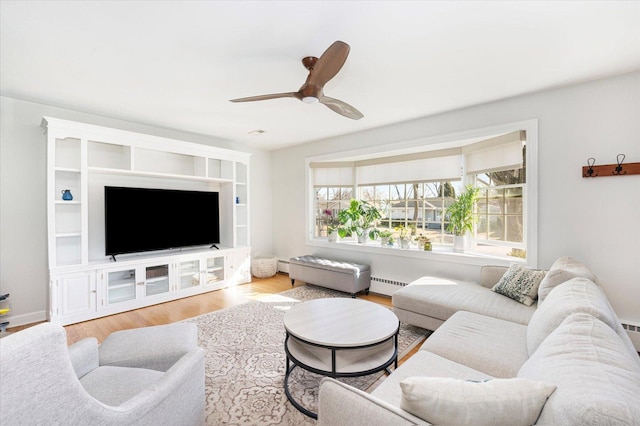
(341, 404)
(490, 275)
(155, 348)
(84, 356)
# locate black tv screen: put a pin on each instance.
(144, 219)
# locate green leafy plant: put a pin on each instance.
(385, 233)
(460, 213)
(358, 218)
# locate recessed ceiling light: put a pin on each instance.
(257, 132)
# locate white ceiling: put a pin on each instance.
(176, 64)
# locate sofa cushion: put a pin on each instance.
(423, 363)
(597, 379)
(462, 402)
(115, 385)
(563, 270)
(440, 298)
(520, 284)
(575, 295)
(491, 345)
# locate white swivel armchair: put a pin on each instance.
(144, 376)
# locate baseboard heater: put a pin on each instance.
(633, 330)
(283, 266)
(391, 282)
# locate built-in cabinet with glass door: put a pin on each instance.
(81, 160)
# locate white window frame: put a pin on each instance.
(433, 143)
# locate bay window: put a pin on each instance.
(413, 190)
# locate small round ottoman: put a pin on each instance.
(264, 266)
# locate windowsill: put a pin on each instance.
(439, 253)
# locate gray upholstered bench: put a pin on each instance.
(334, 274)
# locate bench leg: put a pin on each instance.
(292, 281)
(366, 291)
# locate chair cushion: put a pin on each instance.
(115, 385)
(561, 271)
(157, 348)
(597, 379)
(440, 401)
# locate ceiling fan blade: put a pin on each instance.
(329, 63)
(267, 97)
(341, 108)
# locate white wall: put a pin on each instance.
(594, 220)
(23, 215)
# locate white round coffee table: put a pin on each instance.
(339, 337)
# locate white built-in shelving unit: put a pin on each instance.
(84, 158)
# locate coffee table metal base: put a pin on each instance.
(379, 356)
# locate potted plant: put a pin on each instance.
(404, 235)
(424, 242)
(461, 218)
(359, 219)
(332, 226)
(386, 237)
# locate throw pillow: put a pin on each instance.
(520, 283)
(445, 401)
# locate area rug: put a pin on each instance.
(245, 362)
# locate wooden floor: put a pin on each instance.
(190, 307)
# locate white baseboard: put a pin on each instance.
(24, 319)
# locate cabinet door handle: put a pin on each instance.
(93, 291)
(141, 283)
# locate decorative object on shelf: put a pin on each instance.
(237, 200)
(424, 242)
(591, 170)
(461, 218)
(359, 219)
(66, 195)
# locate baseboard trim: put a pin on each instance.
(24, 319)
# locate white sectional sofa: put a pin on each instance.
(565, 360)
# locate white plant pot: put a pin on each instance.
(404, 243)
(334, 237)
(459, 243)
(384, 241)
(362, 239)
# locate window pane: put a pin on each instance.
(367, 193)
(397, 192)
(334, 193)
(500, 210)
(513, 201)
(321, 194)
(514, 229)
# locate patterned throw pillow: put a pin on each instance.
(520, 284)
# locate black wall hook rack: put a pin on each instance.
(619, 169)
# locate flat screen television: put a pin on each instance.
(145, 219)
